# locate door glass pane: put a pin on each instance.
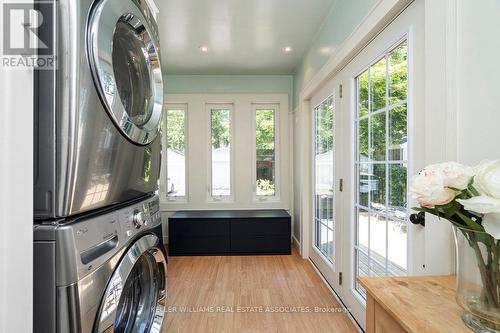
(397, 208)
(397, 251)
(378, 135)
(365, 181)
(363, 94)
(265, 136)
(363, 140)
(324, 177)
(398, 73)
(377, 188)
(377, 83)
(176, 152)
(220, 126)
(378, 237)
(362, 245)
(397, 145)
(381, 168)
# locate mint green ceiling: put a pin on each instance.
(243, 36)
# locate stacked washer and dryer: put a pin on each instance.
(99, 260)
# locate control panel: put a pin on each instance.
(137, 217)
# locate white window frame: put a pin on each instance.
(277, 165)
(183, 107)
(208, 109)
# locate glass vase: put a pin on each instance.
(478, 279)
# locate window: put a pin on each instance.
(176, 151)
(381, 167)
(265, 151)
(220, 161)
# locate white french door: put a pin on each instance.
(326, 233)
(375, 153)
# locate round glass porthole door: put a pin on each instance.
(124, 58)
(135, 294)
(136, 309)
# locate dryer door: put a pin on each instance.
(124, 58)
(134, 300)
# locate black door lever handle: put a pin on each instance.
(418, 218)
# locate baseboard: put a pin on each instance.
(296, 243)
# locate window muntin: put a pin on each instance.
(324, 178)
(265, 152)
(381, 167)
(176, 151)
(220, 155)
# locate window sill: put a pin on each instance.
(263, 200)
(172, 201)
(220, 200)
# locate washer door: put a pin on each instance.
(125, 63)
(134, 300)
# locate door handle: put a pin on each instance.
(418, 218)
(98, 250)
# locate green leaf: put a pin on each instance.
(473, 190)
(470, 223)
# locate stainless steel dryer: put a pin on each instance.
(101, 273)
(97, 115)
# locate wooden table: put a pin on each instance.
(416, 304)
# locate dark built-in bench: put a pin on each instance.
(229, 232)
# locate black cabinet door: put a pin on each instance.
(260, 236)
(198, 236)
(260, 227)
(260, 245)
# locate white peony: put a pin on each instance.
(487, 179)
(454, 175)
(482, 204)
(491, 224)
(429, 190)
(487, 182)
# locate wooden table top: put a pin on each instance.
(419, 303)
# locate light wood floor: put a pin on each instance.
(220, 288)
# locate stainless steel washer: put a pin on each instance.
(97, 114)
(101, 273)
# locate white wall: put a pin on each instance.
(16, 200)
(341, 21)
(462, 116)
(243, 154)
(478, 80)
(229, 84)
(301, 174)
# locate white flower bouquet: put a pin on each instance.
(469, 197)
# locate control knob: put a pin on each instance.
(138, 219)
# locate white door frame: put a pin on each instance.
(440, 62)
(380, 16)
(328, 269)
(440, 80)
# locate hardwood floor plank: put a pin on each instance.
(251, 294)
